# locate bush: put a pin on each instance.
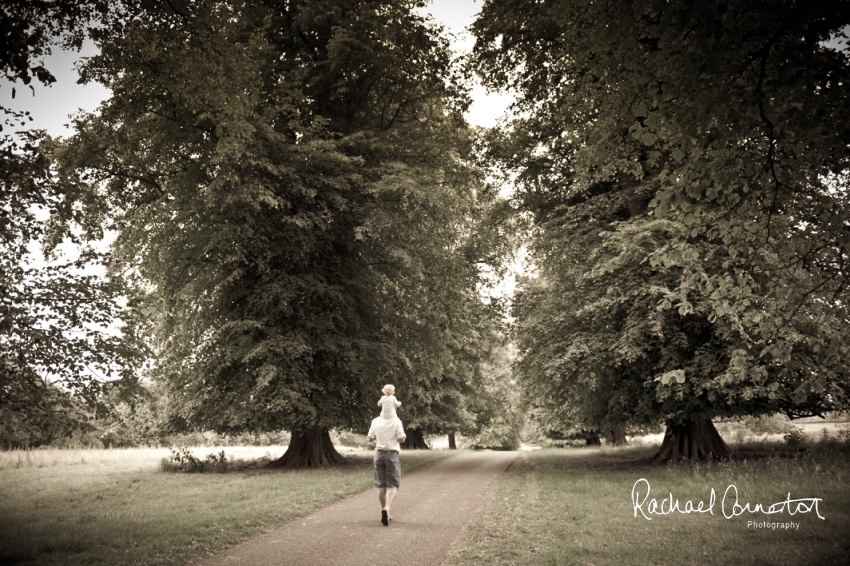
(795, 437)
(183, 461)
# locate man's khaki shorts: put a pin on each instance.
(387, 468)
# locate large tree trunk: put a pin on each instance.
(414, 441)
(691, 440)
(452, 443)
(309, 448)
(616, 435)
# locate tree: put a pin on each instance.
(292, 207)
(500, 418)
(53, 318)
(590, 329)
(34, 412)
(725, 121)
(450, 392)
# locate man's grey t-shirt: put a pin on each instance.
(386, 433)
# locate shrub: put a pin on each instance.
(182, 460)
(795, 437)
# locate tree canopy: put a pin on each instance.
(301, 216)
(687, 167)
(53, 317)
(295, 210)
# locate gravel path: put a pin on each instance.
(431, 508)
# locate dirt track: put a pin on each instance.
(431, 508)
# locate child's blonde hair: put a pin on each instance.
(388, 389)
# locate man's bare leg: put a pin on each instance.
(386, 495)
(390, 496)
(385, 513)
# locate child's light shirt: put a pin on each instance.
(388, 406)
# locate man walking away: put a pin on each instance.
(387, 434)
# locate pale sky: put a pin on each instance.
(50, 107)
(457, 15)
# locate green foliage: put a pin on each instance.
(497, 405)
(295, 212)
(36, 413)
(139, 418)
(53, 318)
(182, 460)
(686, 167)
(795, 437)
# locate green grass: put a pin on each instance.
(117, 507)
(573, 506)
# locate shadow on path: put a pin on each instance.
(431, 508)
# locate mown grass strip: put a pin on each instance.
(129, 512)
(574, 506)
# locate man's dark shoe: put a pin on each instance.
(385, 517)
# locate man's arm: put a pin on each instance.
(372, 436)
(399, 432)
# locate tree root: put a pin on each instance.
(691, 440)
(309, 448)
